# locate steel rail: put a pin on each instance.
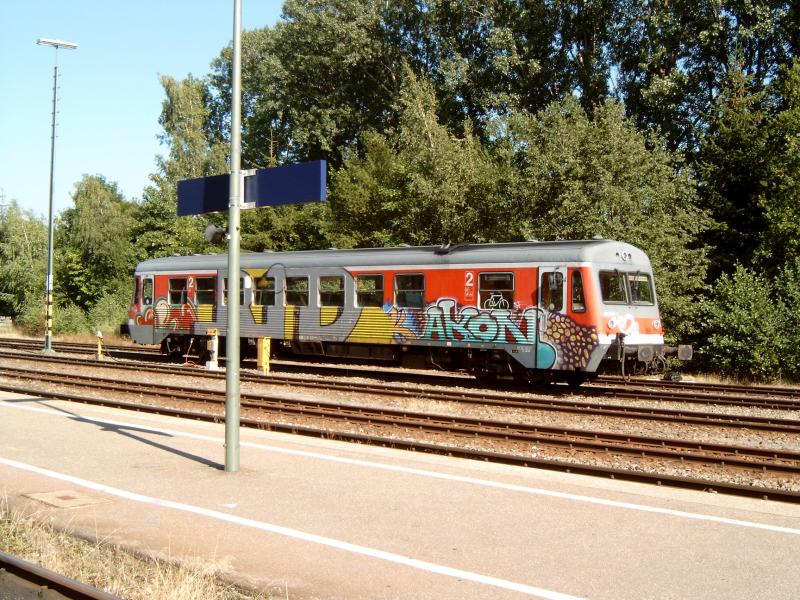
(504, 430)
(646, 447)
(22, 579)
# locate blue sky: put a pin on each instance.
(109, 94)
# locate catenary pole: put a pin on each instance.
(232, 395)
(48, 284)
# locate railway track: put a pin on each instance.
(518, 443)
(687, 392)
(498, 399)
(23, 579)
(763, 397)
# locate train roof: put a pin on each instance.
(572, 251)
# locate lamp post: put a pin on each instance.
(48, 336)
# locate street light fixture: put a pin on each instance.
(48, 336)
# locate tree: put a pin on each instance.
(421, 185)
(23, 260)
(94, 251)
(158, 231)
(733, 166)
(579, 178)
(780, 204)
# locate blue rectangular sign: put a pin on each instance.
(206, 194)
(290, 184)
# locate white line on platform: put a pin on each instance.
(296, 534)
(445, 476)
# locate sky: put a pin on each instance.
(109, 96)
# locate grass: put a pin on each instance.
(112, 569)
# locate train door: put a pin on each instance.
(552, 289)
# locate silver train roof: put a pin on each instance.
(573, 251)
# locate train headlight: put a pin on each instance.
(657, 324)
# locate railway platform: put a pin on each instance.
(330, 520)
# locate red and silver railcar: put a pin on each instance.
(560, 310)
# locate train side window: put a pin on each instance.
(331, 290)
(225, 291)
(297, 291)
(552, 290)
(641, 287)
(177, 291)
(496, 290)
(612, 287)
(409, 290)
(147, 291)
(576, 287)
(264, 291)
(205, 290)
(369, 290)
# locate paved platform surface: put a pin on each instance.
(328, 520)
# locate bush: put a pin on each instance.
(110, 311)
(788, 287)
(743, 327)
(69, 319)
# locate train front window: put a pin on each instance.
(612, 287)
(409, 290)
(147, 291)
(264, 291)
(177, 291)
(331, 291)
(496, 290)
(369, 290)
(576, 287)
(297, 291)
(641, 287)
(205, 290)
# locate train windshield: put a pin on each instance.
(617, 287)
(641, 287)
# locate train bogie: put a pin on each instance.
(558, 310)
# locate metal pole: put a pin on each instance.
(48, 285)
(232, 396)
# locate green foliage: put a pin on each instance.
(581, 177)
(94, 253)
(780, 204)
(744, 327)
(110, 311)
(733, 165)
(788, 342)
(69, 319)
(422, 186)
(23, 259)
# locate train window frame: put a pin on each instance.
(620, 277)
(413, 291)
(200, 282)
(267, 291)
(551, 281)
(147, 291)
(506, 299)
(366, 297)
(224, 299)
(292, 297)
(334, 297)
(177, 292)
(577, 294)
(634, 290)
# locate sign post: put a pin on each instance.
(232, 396)
(289, 184)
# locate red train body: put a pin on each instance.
(532, 310)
